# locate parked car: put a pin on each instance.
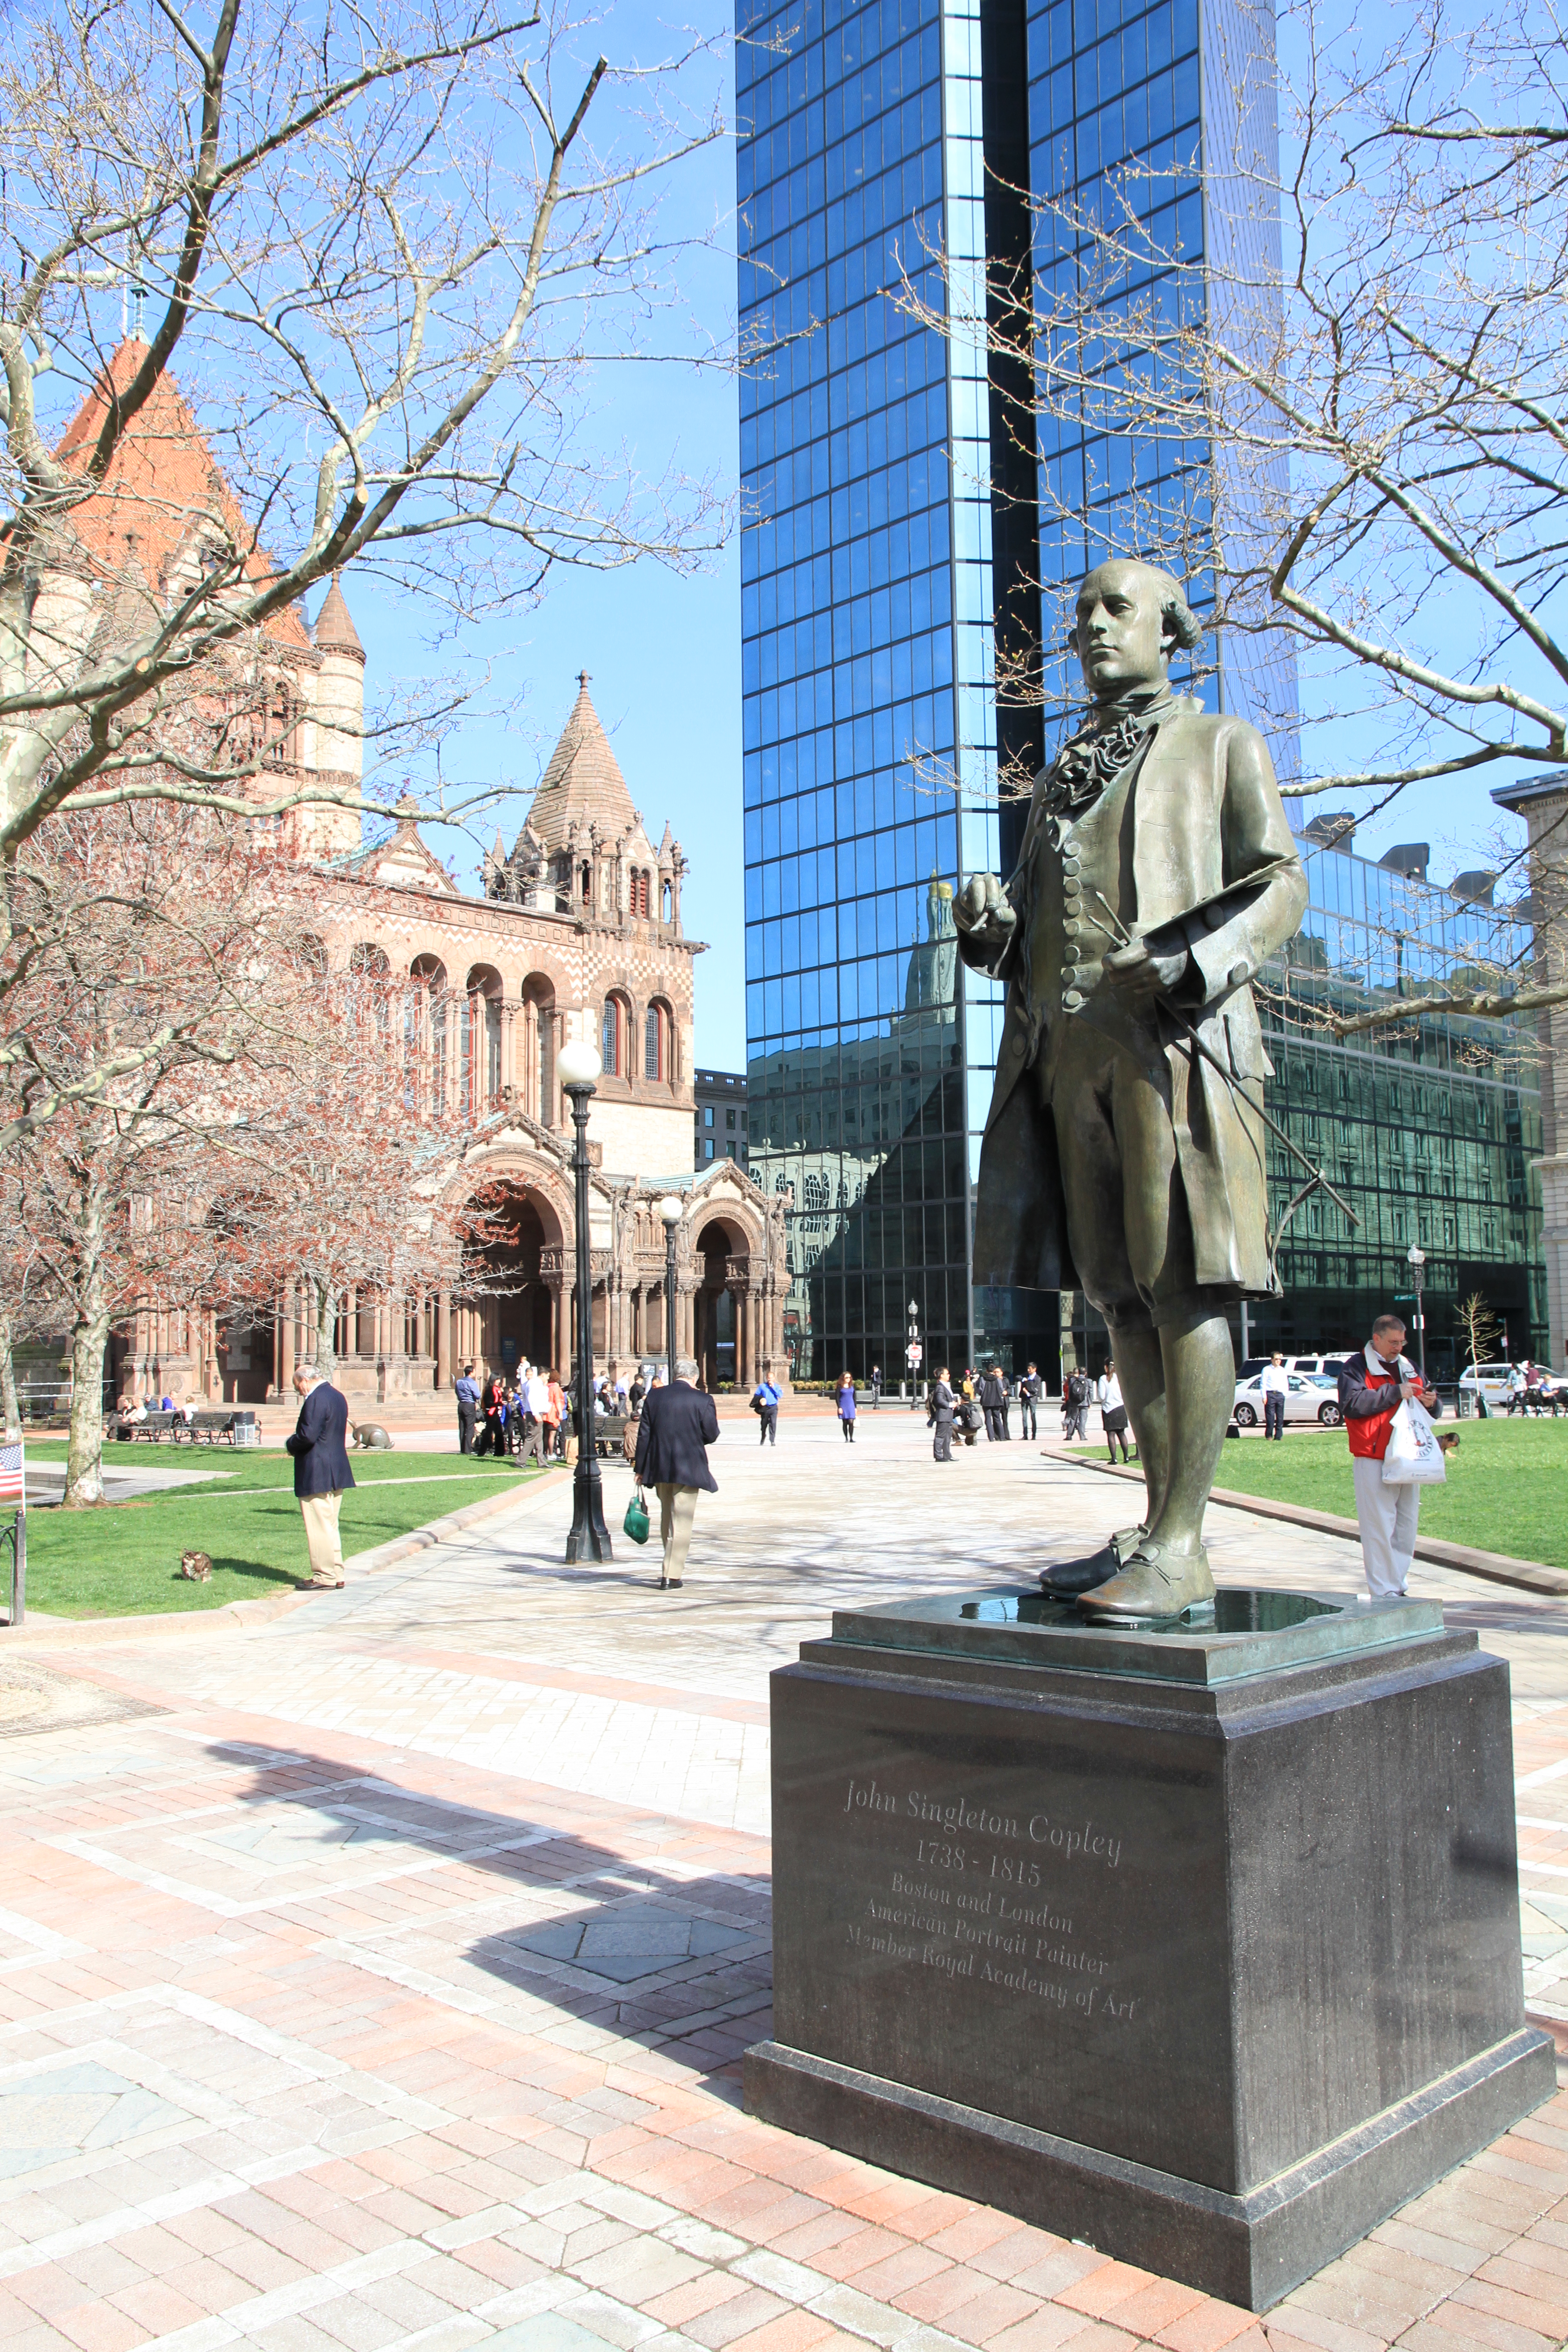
(1491, 1379)
(1310, 1365)
(1310, 1397)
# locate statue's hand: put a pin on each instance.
(984, 913)
(1138, 974)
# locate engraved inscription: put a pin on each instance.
(984, 1895)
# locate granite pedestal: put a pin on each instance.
(1201, 1946)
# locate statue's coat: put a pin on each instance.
(1215, 869)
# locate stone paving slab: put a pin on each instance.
(388, 1986)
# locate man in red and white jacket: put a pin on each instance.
(1372, 1386)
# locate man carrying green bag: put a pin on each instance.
(679, 1424)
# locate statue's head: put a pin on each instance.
(1132, 618)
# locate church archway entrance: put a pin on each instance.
(720, 1333)
(513, 1319)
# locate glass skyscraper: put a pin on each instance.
(901, 528)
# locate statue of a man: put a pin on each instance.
(1123, 1151)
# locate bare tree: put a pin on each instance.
(161, 946)
(1478, 1327)
(363, 1198)
(1351, 443)
(386, 248)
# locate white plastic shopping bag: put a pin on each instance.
(1414, 1457)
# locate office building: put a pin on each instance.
(899, 528)
(720, 1122)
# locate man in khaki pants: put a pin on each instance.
(677, 1426)
(321, 1471)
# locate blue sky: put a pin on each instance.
(664, 651)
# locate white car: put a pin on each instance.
(1311, 1396)
(1492, 1382)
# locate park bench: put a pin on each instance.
(153, 1427)
(609, 1434)
(202, 1429)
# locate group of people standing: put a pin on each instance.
(527, 1421)
(981, 1401)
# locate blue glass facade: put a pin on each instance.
(900, 524)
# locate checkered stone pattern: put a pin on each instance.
(376, 1995)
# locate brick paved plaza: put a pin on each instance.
(378, 1976)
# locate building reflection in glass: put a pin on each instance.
(1428, 1128)
(867, 1133)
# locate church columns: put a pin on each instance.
(442, 1338)
(559, 1349)
(286, 1314)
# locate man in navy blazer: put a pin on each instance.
(677, 1425)
(321, 1471)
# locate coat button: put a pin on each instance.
(1071, 929)
(1072, 1000)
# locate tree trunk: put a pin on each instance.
(326, 1318)
(84, 1458)
(9, 1401)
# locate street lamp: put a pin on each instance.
(671, 1209)
(1417, 1258)
(577, 1067)
(912, 1354)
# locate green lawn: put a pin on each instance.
(1507, 1488)
(124, 1560)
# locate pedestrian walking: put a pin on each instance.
(1028, 1398)
(1077, 1390)
(875, 1388)
(943, 1406)
(677, 1424)
(994, 1403)
(466, 1390)
(765, 1405)
(1373, 1387)
(1112, 1413)
(845, 1401)
(1275, 1387)
(322, 1473)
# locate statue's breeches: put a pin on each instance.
(1129, 1230)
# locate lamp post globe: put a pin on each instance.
(671, 1210)
(578, 1066)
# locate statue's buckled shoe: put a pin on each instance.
(1154, 1588)
(1069, 1579)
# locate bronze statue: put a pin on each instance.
(1125, 1148)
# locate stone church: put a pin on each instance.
(575, 933)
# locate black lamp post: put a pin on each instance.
(1417, 1258)
(671, 1209)
(578, 1066)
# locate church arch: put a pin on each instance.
(536, 1062)
(616, 1031)
(480, 1039)
(658, 1043)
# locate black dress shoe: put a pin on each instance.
(1070, 1578)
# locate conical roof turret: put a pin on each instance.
(582, 784)
(334, 631)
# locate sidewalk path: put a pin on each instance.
(378, 1977)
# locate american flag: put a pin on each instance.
(11, 1486)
